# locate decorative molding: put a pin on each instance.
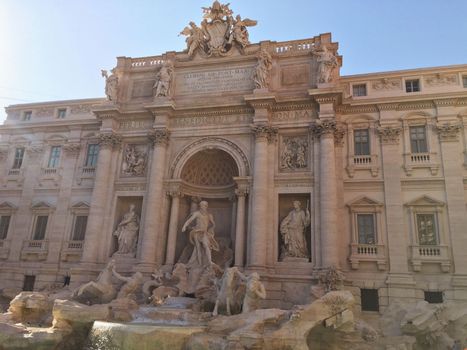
(448, 132)
(80, 109)
(389, 134)
(210, 120)
(159, 137)
(440, 79)
(72, 148)
(292, 115)
(294, 153)
(35, 150)
(109, 140)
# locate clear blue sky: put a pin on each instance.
(55, 49)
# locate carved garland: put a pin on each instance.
(229, 144)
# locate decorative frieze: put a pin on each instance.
(389, 134)
(159, 136)
(210, 120)
(441, 79)
(387, 84)
(44, 112)
(294, 153)
(109, 140)
(280, 116)
(80, 109)
(448, 132)
(135, 124)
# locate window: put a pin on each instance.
(464, 80)
(27, 115)
(369, 299)
(362, 142)
(61, 113)
(18, 161)
(54, 157)
(28, 284)
(91, 157)
(427, 229)
(412, 85)
(359, 90)
(434, 297)
(418, 139)
(4, 225)
(366, 229)
(40, 227)
(79, 228)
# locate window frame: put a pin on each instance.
(358, 88)
(26, 116)
(374, 233)
(54, 159)
(35, 228)
(15, 158)
(434, 215)
(411, 81)
(94, 156)
(464, 80)
(4, 235)
(417, 141)
(59, 113)
(73, 230)
(41, 209)
(368, 142)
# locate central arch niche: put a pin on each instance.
(209, 175)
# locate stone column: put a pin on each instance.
(240, 227)
(257, 248)
(325, 130)
(152, 250)
(453, 180)
(173, 226)
(107, 141)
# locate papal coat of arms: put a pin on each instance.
(218, 33)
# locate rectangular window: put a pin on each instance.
(19, 155)
(427, 229)
(27, 115)
(418, 142)
(4, 225)
(464, 80)
(28, 284)
(412, 85)
(369, 299)
(79, 228)
(359, 90)
(366, 229)
(61, 113)
(91, 157)
(434, 297)
(54, 158)
(362, 142)
(40, 227)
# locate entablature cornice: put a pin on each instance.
(55, 126)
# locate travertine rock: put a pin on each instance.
(31, 308)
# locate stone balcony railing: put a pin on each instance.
(4, 248)
(421, 160)
(34, 250)
(437, 254)
(367, 253)
(51, 174)
(72, 250)
(363, 162)
(86, 173)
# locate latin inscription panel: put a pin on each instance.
(214, 82)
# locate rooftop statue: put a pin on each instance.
(111, 84)
(218, 32)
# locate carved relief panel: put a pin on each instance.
(134, 160)
(294, 153)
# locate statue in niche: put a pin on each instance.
(194, 38)
(263, 67)
(201, 236)
(127, 232)
(135, 162)
(292, 230)
(239, 30)
(294, 153)
(254, 292)
(163, 82)
(327, 62)
(111, 84)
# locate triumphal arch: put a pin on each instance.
(308, 175)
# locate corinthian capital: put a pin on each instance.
(448, 132)
(389, 134)
(109, 139)
(266, 132)
(326, 127)
(159, 136)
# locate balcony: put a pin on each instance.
(72, 250)
(4, 249)
(86, 173)
(367, 253)
(421, 160)
(34, 250)
(363, 162)
(14, 176)
(430, 254)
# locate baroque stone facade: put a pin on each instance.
(374, 164)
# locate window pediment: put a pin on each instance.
(42, 206)
(7, 207)
(425, 201)
(364, 201)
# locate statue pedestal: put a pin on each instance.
(290, 259)
(124, 262)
